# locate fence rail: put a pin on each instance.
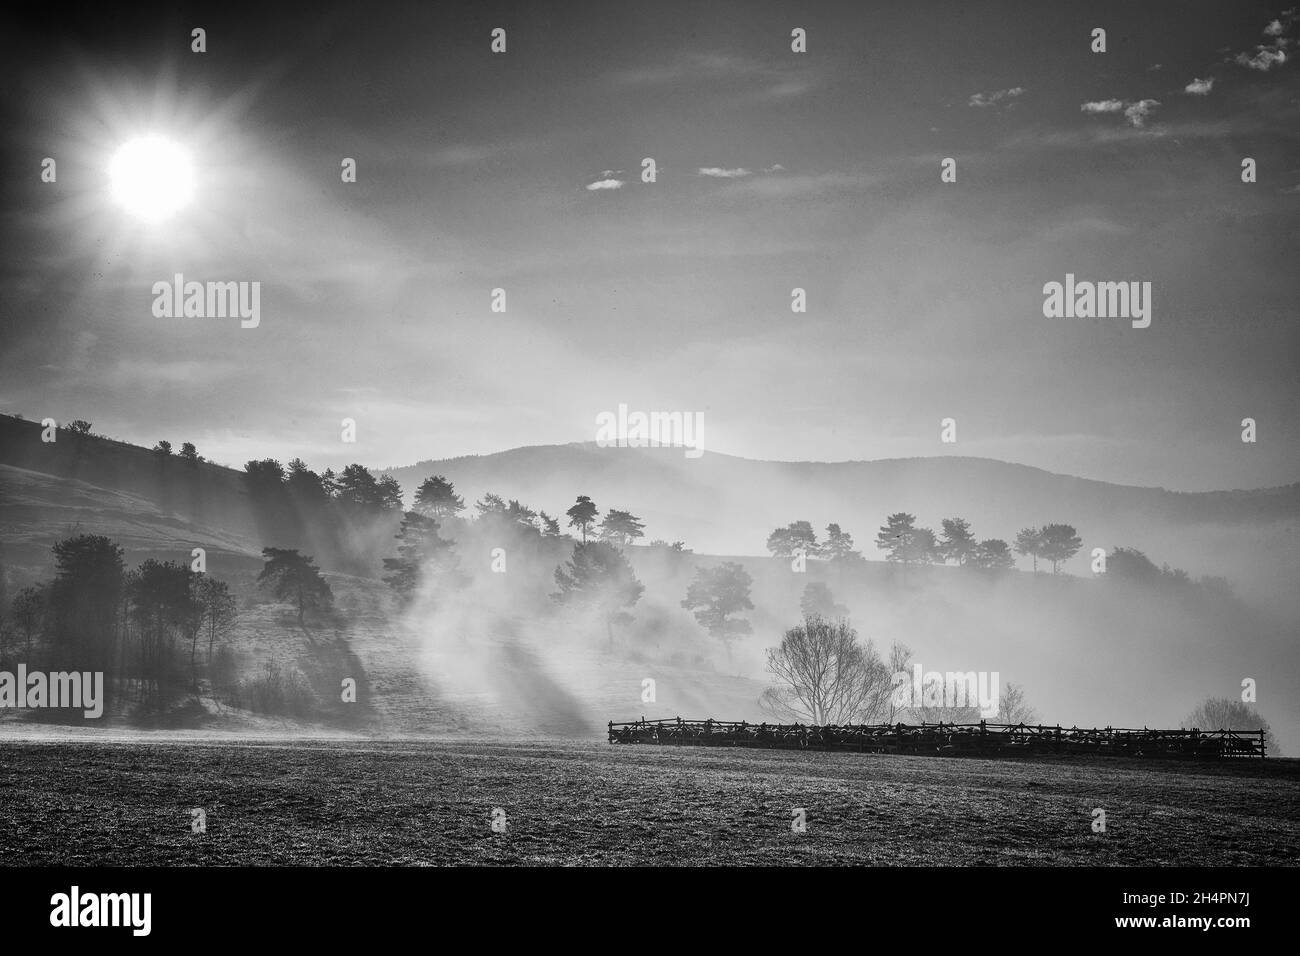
(980, 739)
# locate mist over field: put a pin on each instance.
(480, 646)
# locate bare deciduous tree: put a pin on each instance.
(825, 676)
(1224, 713)
(1013, 708)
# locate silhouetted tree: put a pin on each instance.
(922, 547)
(1175, 576)
(993, 554)
(166, 609)
(29, 610)
(218, 610)
(163, 448)
(957, 543)
(520, 514)
(306, 490)
(79, 426)
(268, 491)
(189, 452)
(581, 515)
(715, 595)
(599, 578)
(895, 535)
(390, 493)
(422, 556)
(293, 577)
(260, 476)
(838, 547)
(818, 601)
(621, 527)
(1060, 543)
(84, 599)
(550, 526)
(1029, 543)
(437, 498)
(795, 537)
(363, 497)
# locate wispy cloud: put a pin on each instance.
(1136, 112)
(1199, 87)
(1265, 56)
(1007, 97)
(605, 184)
(700, 66)
(1103, 106)
(802, 185)
(767, 81)
(720, 172)
(1263, 59)
(787, 89)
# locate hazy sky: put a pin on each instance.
(776, 170)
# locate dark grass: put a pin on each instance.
(413, 803)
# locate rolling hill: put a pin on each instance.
(1084, 651)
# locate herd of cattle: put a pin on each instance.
(981, 739)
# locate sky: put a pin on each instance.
(775, 170)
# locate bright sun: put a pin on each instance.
(152, 177)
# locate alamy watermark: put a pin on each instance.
(61, 689)
(102, 909)
(208, 300)
(1098, 300)
(951, 689)
(626, 429)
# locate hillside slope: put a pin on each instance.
(723, 505)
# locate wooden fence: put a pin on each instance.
(980, 739)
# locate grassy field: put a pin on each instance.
(340, 802)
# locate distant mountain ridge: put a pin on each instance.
(727, 505)
(720, 504)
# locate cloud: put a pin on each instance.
(1199, 87)
(785, 89)
(605, 184)
(767, 81)
(991, 99)
(719, 172)
(691, 66)
(1264, 59)
(1266, 56)
(1136, 112)
(803, 185)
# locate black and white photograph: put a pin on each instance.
(731, 438)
